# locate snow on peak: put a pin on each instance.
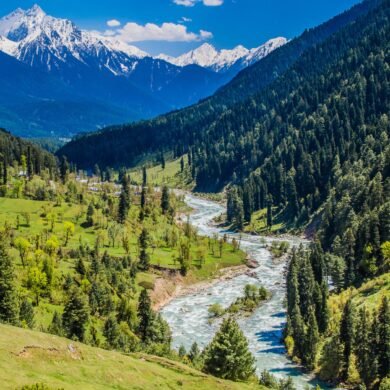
(208, 56)
(7, 46)
(35, 11)
(39, 39)
(262, 51)
(118, 45)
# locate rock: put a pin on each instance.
(251, 263)
(252, 274)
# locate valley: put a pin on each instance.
(180, 215)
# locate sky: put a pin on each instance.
(176, 26)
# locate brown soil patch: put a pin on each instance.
(30, 351)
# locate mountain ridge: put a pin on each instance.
(208, 56)
(148, 136)
(115, 82)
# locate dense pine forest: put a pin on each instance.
(310, 146)
(80, 257)
(177, 131)
(297, 143)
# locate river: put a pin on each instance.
(188, 315)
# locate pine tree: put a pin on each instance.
(347, 335)
(350, 274)
(80, 267)
(230, 205)
(269, 212)
(124, 200)
(144, 201)
(30, 168)
(9, 310)
(292, 196)
(5, 171)
(194, 352)
(122, 208)
(331, 358)
(56, 326)
(144, 177)
(90, 214)
(145, 316)
(365, 363)
(312, 339)
(297, 327)
(64, 169)
(165, 203)
(292, 284)
(144, 259)
(96, 171)
(228, 355)
(383, 325)
(76, 314)
(323, 312)
(182, 352)
(317, 261)
(26, 314)
(111, 331)
(306, 286)
(182, 165)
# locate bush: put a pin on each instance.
(146, 284)
(216, 310)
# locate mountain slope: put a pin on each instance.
(178, 130)
(101, 79)
(28, 357)
(35, 103)
(223, 61)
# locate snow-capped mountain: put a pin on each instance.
(44, 41)
(100, 80)
(207, 56)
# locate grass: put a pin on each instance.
(165, 257)
(171, 176)
(162, 256)
(369, 295)
(28, 357)
(258, 223)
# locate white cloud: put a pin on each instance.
(109, 33)
(212, 3)
(205, 34)
(185, 3)
(113, 23)
(186, 20)
(191, 3)
(133, 32)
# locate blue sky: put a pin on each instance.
(188, 23)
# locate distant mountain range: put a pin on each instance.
(221, 61)
(61, 80)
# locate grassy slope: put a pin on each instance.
(28, 357)
(170, 176)
(161, 256)
(369, 295)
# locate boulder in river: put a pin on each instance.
(251, 263)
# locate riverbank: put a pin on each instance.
(187, 311)
(169, 287)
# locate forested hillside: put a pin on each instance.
(295, 145)
(311, 147)
(89, 259)
(179, 130)
(33, 159)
